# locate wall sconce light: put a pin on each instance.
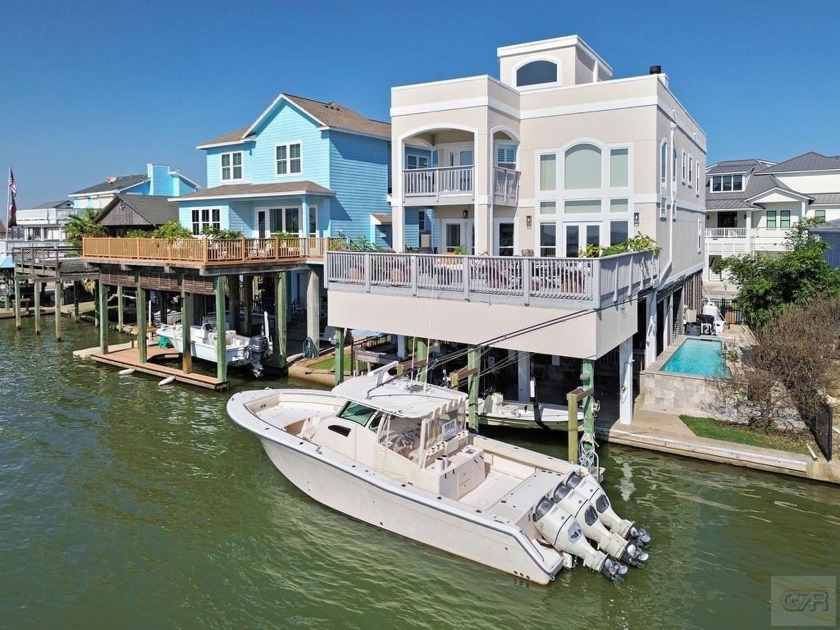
(466, 214)
(528, 221)
(635, 219)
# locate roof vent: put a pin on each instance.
(655, 70)
(111, 179)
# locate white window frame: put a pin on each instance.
(503, 148)
(201, 218)
(417, 162)
(287, 161)
(663, 164)
(731, 178)
(231, 167)
(684, 167)
(690, 171)
(313, 214)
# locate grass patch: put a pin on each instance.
(792, 441)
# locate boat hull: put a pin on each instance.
(376, 499)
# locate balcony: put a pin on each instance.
(200, 252)
(436, 186)
(740, 240)
(505, 186)
(579, 283)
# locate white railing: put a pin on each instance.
(726, 233)
(588, 282)
(439, 182)
(506, 183)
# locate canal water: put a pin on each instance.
(128, 505)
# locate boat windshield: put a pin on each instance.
(356, 412)
(442, 428)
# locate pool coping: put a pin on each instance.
(668, 352)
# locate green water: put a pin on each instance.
(127, 505)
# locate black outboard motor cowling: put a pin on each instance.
(258, 346)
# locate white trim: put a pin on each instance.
(241, 178)
(229, 143)
(497, 221)
(551, 44)
(288, 146)
(274, 103)
(283, 208)
(535, 86)
(254, 195)
(357, 133)
(786, 193)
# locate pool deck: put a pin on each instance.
(666, 433)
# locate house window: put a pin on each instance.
(286, 220)
(690, 171)
(548, 207)
(819, 216)
(421, 220)
(506, 156)
(313, 220)
(784, 219)
(288, 159)
(583, 167)
(618, 232)
(699, 236)
(619, 205)
(683, 177)
(674, 164)
(589, 206)
(536, 72)
(548, 240)
(619, 168)
(727, 183)
(548, 172)
(203, 218)
(231, 166)
(663, 208)
(771, 219)
(416, 161)
(663, 163)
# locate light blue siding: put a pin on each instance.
(359, 177)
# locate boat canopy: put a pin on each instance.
(400, 396)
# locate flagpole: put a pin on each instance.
(8, 202)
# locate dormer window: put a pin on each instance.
(727, 183)
(536, 73)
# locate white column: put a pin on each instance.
(304, 217)
(650, 334)
(523, 392)
(667, 317)
(625, 376)
(749, 231)
(397, 227)
(313, 307)
(401, 349)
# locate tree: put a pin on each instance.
(81, 225)
(769, 284)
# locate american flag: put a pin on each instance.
(12, 214)
(12, 185)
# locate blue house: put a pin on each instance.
(303, 168)
(159, 180)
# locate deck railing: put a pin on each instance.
(732, 232)
(506, 184)
(201, 251)
(588, 282)
(439, 182)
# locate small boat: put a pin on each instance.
(240, 350)
(495, 411)
(395, 452)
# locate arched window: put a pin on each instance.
(663, 163)
(583, 166)
(536, 72)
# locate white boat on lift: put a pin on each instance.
(396, 453)
(495, 411)
(240, 350)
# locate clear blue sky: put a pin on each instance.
(93, 88)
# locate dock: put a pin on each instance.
(127, 356)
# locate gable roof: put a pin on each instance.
(736, 166)
(258, 190)
(330, 115)
(810, 161)
(152, 210)
(112, 184)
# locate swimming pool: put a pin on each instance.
(698, 357)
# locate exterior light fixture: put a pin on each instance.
(528, 221)
(466, 213)
(635, 219)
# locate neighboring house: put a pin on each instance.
(137, 212)
(43, 223)
(550, 158)
(751, 204)
(302, 167)
(159, 180)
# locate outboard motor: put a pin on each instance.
(258, 346)
(592, 492)
(563, 532)
(586, 516)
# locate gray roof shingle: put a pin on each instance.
(115, 184)
(736, 166)
(244, 190)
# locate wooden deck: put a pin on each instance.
(130, 358)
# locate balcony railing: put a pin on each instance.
(438, 183)
(506, 185)
(207, 252)
(734, 232)
(580, 282)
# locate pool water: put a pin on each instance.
(698, 357)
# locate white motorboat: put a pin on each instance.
(495, 411)
(396, 453)
(239, 349)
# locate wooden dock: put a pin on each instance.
(129, 357)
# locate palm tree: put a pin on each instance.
(81, 225)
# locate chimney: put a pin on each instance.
(655, 70)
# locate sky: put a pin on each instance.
(94, 88)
